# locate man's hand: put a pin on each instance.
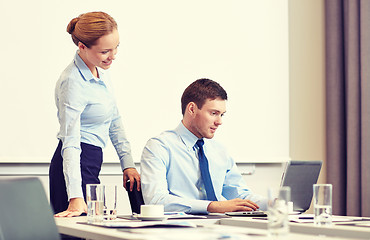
(76, 207)
(233, 205)
(132, 175)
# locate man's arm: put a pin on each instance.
(233, 205)
(235, 188)
(154, 164)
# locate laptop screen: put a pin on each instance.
(300, 177)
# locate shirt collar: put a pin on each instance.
(187, 137)
(85, 71)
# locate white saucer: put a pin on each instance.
(149, 218)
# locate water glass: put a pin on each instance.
(278, 211)
(110, 202)
(322, 203)
(94, 199)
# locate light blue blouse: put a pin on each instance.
(87, 112)
(170, 173)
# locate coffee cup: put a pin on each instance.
(152, 210)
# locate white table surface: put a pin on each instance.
(336, 230)
(205, 230)
(73, 227)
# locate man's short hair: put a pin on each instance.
(201, 90)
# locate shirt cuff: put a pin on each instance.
(200, 206)
(127, 162)
(72, 172)
(75, 191)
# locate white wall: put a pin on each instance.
(34, 56)
(165, 45)
(307, 81)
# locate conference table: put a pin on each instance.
(345, 227)
(214, 228)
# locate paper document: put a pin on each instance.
(309, 218)
(142, 224)
(182, 215)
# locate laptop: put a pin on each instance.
(25, 212)
(300, 177)
(257, 213)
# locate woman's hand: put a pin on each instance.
(132, 175)
(76, 207)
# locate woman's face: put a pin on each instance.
(102, 53)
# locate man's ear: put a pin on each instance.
(191, 108)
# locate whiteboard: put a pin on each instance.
(165, 45)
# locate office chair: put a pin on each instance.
(135, 197)
(25, 212)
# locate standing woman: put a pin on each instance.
(88, 116)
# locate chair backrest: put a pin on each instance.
(135, 197)
(25, 212)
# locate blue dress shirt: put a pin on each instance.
(87, 112)
(170, 173)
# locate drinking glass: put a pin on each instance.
(322, 203)
(278, 210)
(94, 199)
(110, 202)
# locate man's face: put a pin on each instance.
(206, 120)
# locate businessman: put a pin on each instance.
(186, 170)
